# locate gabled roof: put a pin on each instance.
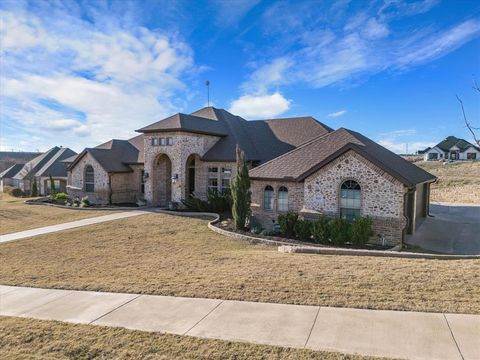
(11, 171)
(185, 122)
(31, 167)
(55, 167)
(451, 141)
(116, 155)
(308, 158)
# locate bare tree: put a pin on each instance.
(469, 125)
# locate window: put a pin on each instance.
(89, 179)
(268, 198)
(432, 156)
(350, 196)
(225, 179)
(471, 156)
(212, 179)
(142, 182)
(169, 141)
(282, 204)
(56, 183)
(154, 141)
(162, 141)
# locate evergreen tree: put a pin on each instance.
(241, 194)
(34, 188)
(53, 191)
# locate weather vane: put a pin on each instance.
(207, 83)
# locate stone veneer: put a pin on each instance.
(382, 196)
(184, 145)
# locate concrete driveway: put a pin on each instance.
(452, 229)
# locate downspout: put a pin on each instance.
(405, 214)
(428, 203)
(110, 191)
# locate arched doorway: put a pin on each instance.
(162, 180)
(193, 162)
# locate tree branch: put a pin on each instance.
(466, 121)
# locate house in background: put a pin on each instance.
(296, 164)
(452, 148)
(10, 158)
(39, 169)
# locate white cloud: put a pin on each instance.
(230, 12)
(337, 114)
(401, 147)
(260, 106)
(272, 74)
(116, 79)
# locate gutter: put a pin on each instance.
(410, 190)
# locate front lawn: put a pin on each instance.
(15, 215)
(38, 339)
(170, 255)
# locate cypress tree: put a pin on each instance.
(53, 191)
(241, 194)
(34, 188)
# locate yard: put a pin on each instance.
(457, 182)
(54, 340)
(15, 215)
(169, 255)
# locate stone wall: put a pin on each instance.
(202, 176)
(126, 187)
(268, 218)
(76, 186)
(184, 145)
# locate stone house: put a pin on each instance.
(297, 164)
(40, 169)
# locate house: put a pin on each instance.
(40, 169)
(297, 164)
(452, 148)
(10, 158)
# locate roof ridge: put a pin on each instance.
(50, 162)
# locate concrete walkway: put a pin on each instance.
(69, 225)
(397, 334)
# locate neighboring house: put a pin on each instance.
(452, 148)
(10, 158)
(297, 164)
(40, 168)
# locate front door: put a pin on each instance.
(191, 178)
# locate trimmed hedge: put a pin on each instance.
(13, 191)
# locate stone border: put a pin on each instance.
(286, 247)
(34, 202)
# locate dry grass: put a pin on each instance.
(15, 215)
(37, 339)
(458, 182)
(169, 255)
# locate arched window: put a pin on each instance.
(268, 198)
(282, 203)
(350, 196)
(89, 179)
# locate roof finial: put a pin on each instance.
(207, 83)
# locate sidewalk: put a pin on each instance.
(411, 335)
(69, 225)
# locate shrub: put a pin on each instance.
(53, 191)
(361, 230)
(34, 188)
(287, 223)
(256, 230)
(321, 229)
(61, 196)
(241, 194)
(303, 230)
(13, 191)
(76, 202)
(339, 231)
(85, 201)
(216, 202)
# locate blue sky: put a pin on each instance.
(78, 73)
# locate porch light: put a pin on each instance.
(174, 178)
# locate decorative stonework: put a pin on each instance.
(184, 145)
(382, 195)
(76, 186)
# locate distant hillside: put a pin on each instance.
(8, 158)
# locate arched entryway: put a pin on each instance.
(193, 161)
(162, 180)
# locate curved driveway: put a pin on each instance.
(452, 229)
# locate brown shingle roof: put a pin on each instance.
(185, 122)
(301, 162)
